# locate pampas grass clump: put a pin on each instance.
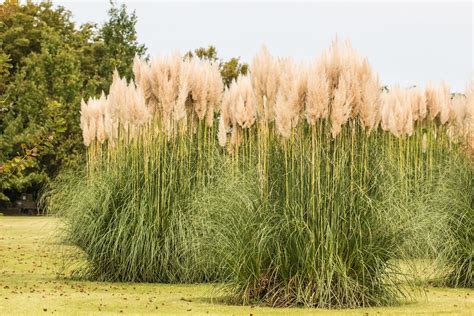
(299, 184)
(150, 148)
(326, 180)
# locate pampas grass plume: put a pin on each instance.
(444, 98)
(84, 122)
(317, 94)
(432, 101)
(265, 73)
(341, 106)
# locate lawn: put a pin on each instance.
(32, 281)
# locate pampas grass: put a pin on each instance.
(317, 173)
(150, 149)
(296, 185)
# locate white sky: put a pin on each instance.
(407, 43)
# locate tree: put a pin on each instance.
(46, 67)
(230, 70)
(120, 44)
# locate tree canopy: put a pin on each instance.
(230, 69)
(47, 65)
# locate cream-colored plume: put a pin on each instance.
(417, 101)
(93, 112)
(346, 69)
(184, 95)
(291, 95)
(245, 108)
(118, 99)
(138, 111)
(238, 110)
(200, 87)
(369, 107)
(469, 116)
(338, 86)
(215, 90)
(396, 111)
(101, 105)
(458, 110)
(84, 122)
(165, 72)
(317, 93)
(341, 105)
(432, 101)
(141, 71)
(265, 73)
(444, 98)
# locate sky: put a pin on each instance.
(408, 43)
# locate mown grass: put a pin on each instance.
(32, 282)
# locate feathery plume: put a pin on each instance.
(199, 90)
(317, 93)
(290, 97)
(139, 113)
(117, 97)
(444, 99)
(222, 132)
(332, 59)
(94, 112)
(245, 108)
(84, 122)
(417, 101)
(396, 112)
(238, 110)
(341, 105)
(184, 95)
(469, 116)
(215, 90)
(369, 105)
(226, 116)
(432, 101)
(101, 105)
(458, 110)
(265, 73)
(164, 76)
(110, 126)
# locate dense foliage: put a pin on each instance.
(47, 65)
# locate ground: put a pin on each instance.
(31, 283)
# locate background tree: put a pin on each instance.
(47, 65)
(230, 69)
(119, 44)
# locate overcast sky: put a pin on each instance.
(407, 43)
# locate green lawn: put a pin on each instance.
(31, 283)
